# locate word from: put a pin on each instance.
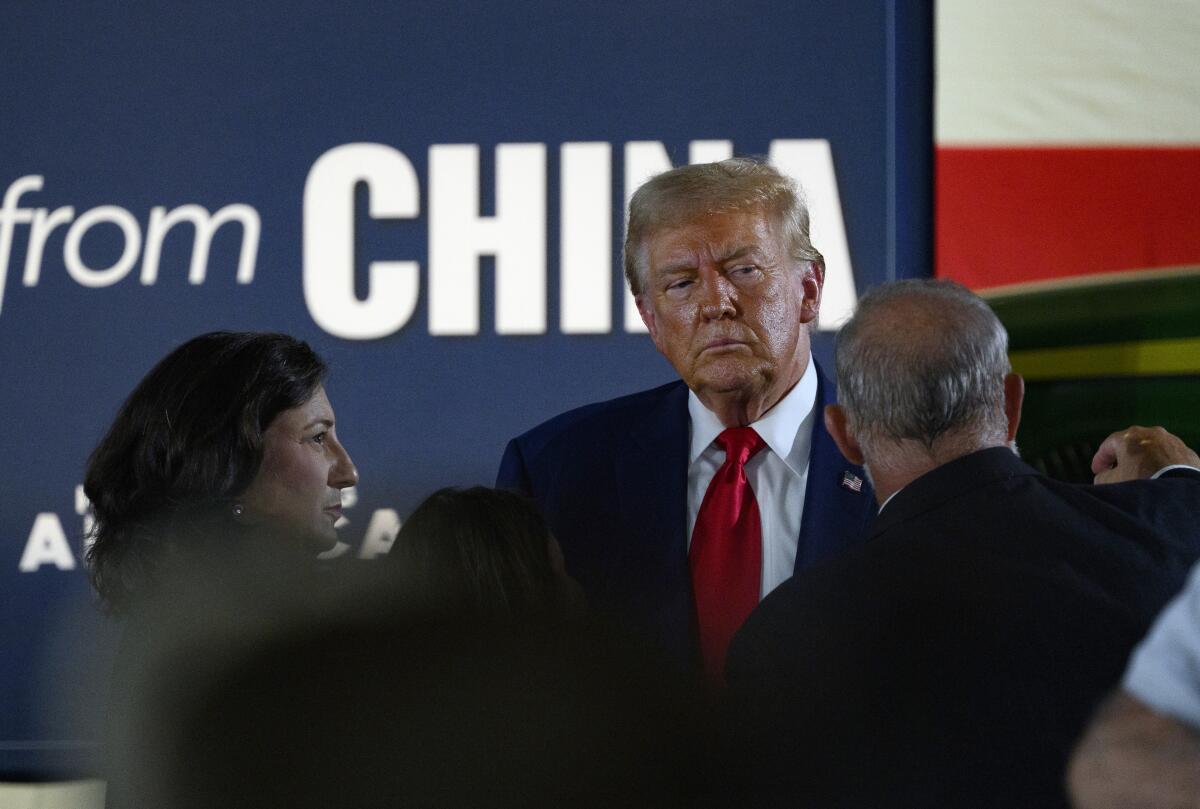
(42, 222)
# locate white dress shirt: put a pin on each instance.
(1162, 670)
(778, 474)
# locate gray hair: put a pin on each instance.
(681, 195)
(923, 359)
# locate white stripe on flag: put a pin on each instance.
(1027, 72)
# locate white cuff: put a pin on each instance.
(1166, 469)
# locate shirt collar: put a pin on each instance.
(883, 505)
(779, 426)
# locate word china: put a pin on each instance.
(516, 235)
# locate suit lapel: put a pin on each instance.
(835, 516)
(656, 470)
(652, 483)
(650, 468)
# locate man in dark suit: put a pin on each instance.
(953, 658)
(679, 507)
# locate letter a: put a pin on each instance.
(47, 545)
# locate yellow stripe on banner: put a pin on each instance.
(1143, 358)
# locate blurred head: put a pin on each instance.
(726, 280)
(483, 550)
(350, 703)
(230, 431)
(923, 371)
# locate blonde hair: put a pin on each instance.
(680, 195)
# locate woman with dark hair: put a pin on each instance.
(230, 436)
(483, 551)
(218, 482)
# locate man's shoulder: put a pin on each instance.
(572, 449)
(600, 417)
(999, 517)
(1166, 506)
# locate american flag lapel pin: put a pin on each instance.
(851, 481)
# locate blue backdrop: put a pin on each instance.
(112, 119)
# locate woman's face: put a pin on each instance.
(298, 489)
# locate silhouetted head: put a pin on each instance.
(482, 550)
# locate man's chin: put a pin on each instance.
(725, 379)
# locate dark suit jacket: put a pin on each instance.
(954, 658)
(611, 479)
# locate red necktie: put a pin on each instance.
(726, 552)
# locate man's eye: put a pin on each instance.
(746, 270)
(682, 283)
(319, 438)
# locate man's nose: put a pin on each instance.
(717, 296)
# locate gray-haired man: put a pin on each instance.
(953, 658)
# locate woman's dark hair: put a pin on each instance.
(187, 441)
(479, 550)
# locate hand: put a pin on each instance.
(1138, 453)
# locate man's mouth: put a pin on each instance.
(722, 343)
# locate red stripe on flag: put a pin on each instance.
(1006, 215)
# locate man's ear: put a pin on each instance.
(1014, 396)
(814, 283)
(647, 312)
(838, 429)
